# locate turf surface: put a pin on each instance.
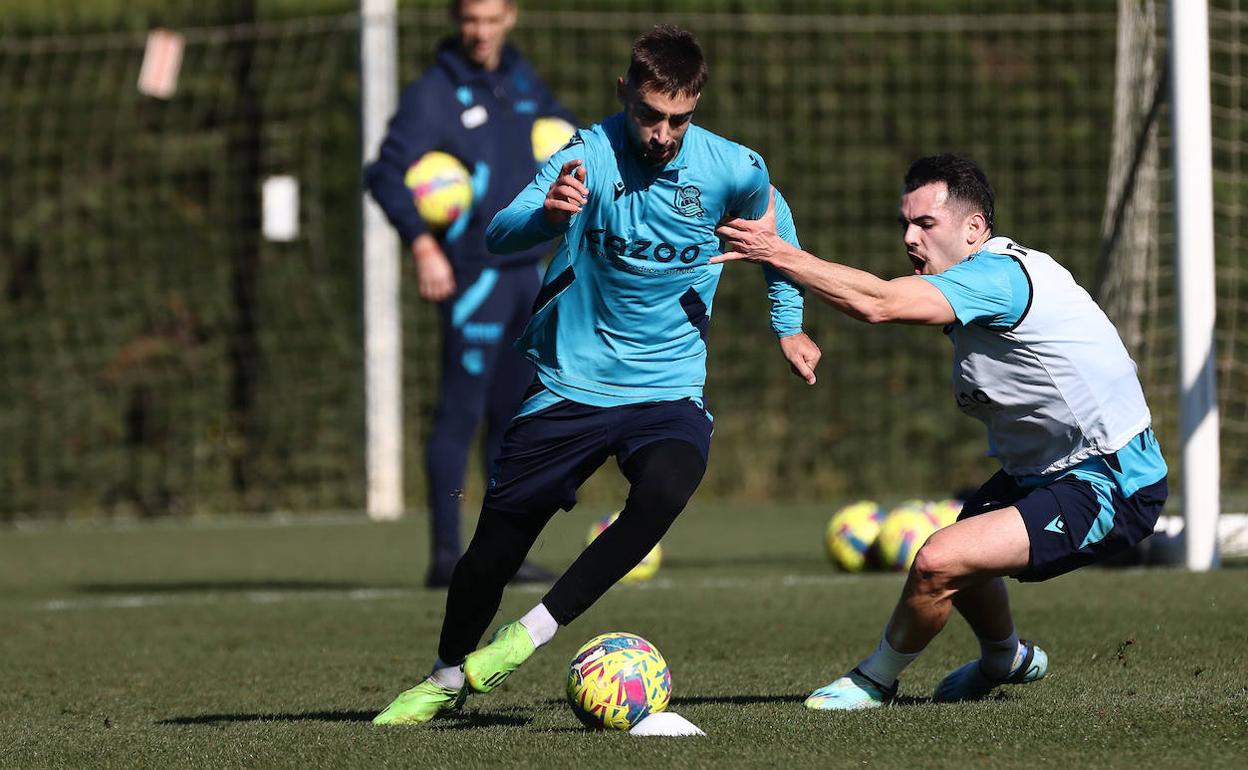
(264, 645)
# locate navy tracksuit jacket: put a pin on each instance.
(484, 119)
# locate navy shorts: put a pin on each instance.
(547, 455)
(1078, 519)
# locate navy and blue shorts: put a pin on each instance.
(547, 455)
(1077, 519)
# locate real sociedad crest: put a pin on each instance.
(689, 201)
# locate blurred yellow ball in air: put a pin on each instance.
(549, 136)
(441, 188)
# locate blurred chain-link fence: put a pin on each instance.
(160, 356)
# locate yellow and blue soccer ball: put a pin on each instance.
(441, 188)
(913, 504)
(649, 564)
(549, 135)
(904, 531)
(851, 532)
(616, 680)
(945, 512)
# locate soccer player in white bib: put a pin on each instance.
(1038, 362)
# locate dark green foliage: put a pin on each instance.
(160, 358)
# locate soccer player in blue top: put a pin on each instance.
(1038, 362)
(478, 103)
(618, 338)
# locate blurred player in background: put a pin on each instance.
(619, 341)
(1041, 365)
(477, 103)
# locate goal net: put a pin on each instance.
(160, 354)
(1136, 276)
(163, 349)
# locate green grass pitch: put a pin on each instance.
(252, 644)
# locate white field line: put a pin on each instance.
(1233, 537)
(144, 601)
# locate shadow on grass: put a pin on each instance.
(453, 721)
(745, 700)
(218, 586)
(735, 700)
(473, 720)
(697, 700)
(306, 716)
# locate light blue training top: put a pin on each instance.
(625, 306)
(987, 289)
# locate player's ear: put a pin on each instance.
(976, 226)
(621, 90)
(509, 17)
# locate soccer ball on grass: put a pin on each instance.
(616, 680)
(649, 564)
(851, 532)
(905, 530)
(945, 511)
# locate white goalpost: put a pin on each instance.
(383, 342)
(1176, 353)
(1194, 273)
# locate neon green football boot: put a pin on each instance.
(510, 646)
(421, 704)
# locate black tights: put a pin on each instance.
(662, 475)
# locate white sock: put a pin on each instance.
(886, 664)
(540, 624)
(999, 659)
(447, 675)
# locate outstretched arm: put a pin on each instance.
(856, 293)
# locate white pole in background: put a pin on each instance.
(1194, 271)
(383, 348)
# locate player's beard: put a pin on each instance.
(659, 154)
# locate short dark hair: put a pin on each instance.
(669, 60)
(965, 180)
(458, 5)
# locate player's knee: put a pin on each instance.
(934, 568)
(665, 476)
(471, 566)
(477, 567)
(662, 495)
(498, 546)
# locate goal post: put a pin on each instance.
(383, 348)
(1194, 273)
